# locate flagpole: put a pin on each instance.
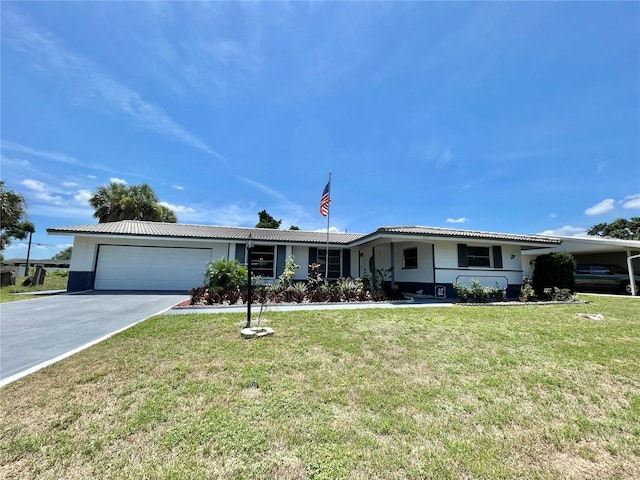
(328, 217)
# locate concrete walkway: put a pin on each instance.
(416, 302)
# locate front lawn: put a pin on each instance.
(51, 282)
(463, 392)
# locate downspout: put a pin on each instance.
(632, 279)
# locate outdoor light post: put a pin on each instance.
(250, 245)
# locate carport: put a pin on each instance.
(625, 253)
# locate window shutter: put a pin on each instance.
(497, 256)
(346, 263)
(281, 253)
(463, 261)
(240, 249)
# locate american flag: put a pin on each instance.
(325, 201)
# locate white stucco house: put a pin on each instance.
(135, 255)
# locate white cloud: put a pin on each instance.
(92, 177)
(34, 185)
(457, 220)
(10, 161)
(58, 157)
(178, 187)
(57, 201)
(117, 180)
(631, 201)
(603, 207)
(566, 231)
(331, 230)
(82, 196)
(42, 191)
(177, 208)
(70, 184)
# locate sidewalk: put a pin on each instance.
(416, 302)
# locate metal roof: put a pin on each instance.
(180, 230)
(462, 234)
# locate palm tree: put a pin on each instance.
(107, 202)
(138, 202)
(167, 215)
(13, 208)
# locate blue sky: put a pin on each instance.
(510, 117)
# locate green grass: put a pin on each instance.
(51, 282)
(462, 392)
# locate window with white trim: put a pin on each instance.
(335, 262)
(263, 261)
(478, 256)
(410, 258)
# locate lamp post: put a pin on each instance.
(28, 227)
(250, 245)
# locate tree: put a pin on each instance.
(267, 221)
(553, 270)
(64, 254)
(620, 228)
(294, 227)
(13, 208)
(117, 202)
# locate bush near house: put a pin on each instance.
(554, 270)
(478, 293)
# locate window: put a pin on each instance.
(478, 256)
(473, 256)
(410, 257)
(263, 261)
(334, 262)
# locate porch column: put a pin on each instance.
(632, 279)
(393, 265)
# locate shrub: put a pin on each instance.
(286, 279)
(559, 294)
(478, 293)
(197, 295)
(526, 290)
(333, 292)
(553, 270)
(224, 275)
(298, 292)
(348, 289)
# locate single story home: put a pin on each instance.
(137, 255)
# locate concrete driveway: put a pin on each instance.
(38, 332)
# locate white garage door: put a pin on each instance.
(150, 268)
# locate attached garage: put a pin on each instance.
(124, 267)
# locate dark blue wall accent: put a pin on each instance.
(240, 250)
(430, 289)
(497, 256)
(80, 281)
(280, 259)
(346, 262)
